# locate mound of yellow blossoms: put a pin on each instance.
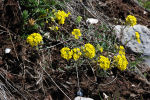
(104, 62)
(34, 39)
(122, 50)
(137, 37)
(76, 33)
(120, 60)
(66, 53)
(61, 16)
(131, 20)
(76, 53)
(89, 50)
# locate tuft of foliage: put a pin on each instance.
(145, 4)
(38, 10)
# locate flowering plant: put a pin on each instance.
(76, 33)
(104, 62)
(66, 53)
(34, 39)
(76, 53)
(131, 20)
(61, 16)
(122, 50)
(137, 37)
(89, 50)
(120, 62)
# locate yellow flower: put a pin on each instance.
(31, 22)
(122, 50)
(34, 39)
(104, 62)
(120, 62)
(137, 37)
(76, 33)
(101, 49)
(131, 20)
(76, 53)
(61, 16)
(54, 28)
(89, 50)
(66, 53)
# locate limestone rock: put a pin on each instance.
(126, 35)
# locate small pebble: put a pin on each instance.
(92, 21)
(7, 50)
(133, 85)
(105, 96)
(145, 12)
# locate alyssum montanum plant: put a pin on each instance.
(34, 39)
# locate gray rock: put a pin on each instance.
(126, 35)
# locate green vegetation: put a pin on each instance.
(36, 13)
(145, 4)
(98, 45)
(63, 43)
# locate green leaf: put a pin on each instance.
(147, 5)
(35, 26)
(25, 15)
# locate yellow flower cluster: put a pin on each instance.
(76, 33)
(121, 62)
(122, 50)
(89, 50)
(76, 53)
(66, 53)
(104, 62)
(131, 20)
(34, 39)
(137, 37)
(61, 16)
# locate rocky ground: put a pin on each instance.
(23, 77)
